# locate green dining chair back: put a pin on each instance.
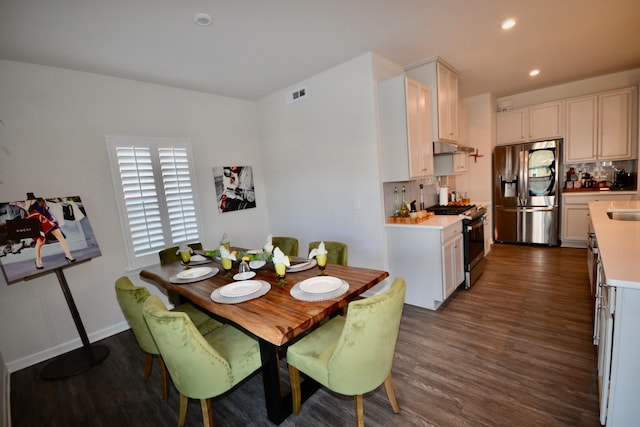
(352, 355)
(337, 252)
(131, 298)
(288, 245)
(170, 255)
(201, 366)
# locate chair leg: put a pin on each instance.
(148, 361)
(207, 414)
(391, 394)
(182, 412)
(294, 380)
(165, 379)
(359, 411)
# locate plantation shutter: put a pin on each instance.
(157, 202)
(176, 177)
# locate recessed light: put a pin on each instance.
(508, 24)
(534, 72)
(203, 19)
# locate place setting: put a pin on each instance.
(319, 288)
(194, 274)
(240, 291)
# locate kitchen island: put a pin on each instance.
(617, 311)
(429, 256)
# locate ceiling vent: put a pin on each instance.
(295, 95)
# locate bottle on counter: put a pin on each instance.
(396, 202)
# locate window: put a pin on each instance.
(155, 193)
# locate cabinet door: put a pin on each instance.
(426, 130)
(413, 127)
(460, 162)
(575, 223)
(452, 264)
(545, 121)
(459, 260)
(419, 129)
(512, 126)
(614, 121)
(581, 130)
(447, 82)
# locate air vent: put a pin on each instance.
(296, 95)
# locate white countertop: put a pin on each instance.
(618, 243)
(437, 221)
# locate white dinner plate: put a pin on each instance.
(192, 273)
(240, 289)
(197, 258)
(254, 251)
(244, 276)
(320, 284)
(254, 265)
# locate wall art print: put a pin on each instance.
(234, 188)
(38, 235)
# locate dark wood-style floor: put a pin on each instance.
(514, 350)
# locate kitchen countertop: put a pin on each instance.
(436, 222)
(618, 243)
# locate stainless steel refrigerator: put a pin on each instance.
(526, 193)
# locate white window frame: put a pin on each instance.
(147, 253)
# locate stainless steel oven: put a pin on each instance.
(473, 221)
(473, 248)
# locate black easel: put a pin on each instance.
(80, 359)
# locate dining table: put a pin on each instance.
(277, 319)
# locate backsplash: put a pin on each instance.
(412, 192)
(600, 171)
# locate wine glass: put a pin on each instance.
(226, 266)
(321, 260)
(185, 254)
(281, 270)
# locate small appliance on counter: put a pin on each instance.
(623, 180)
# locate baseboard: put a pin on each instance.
(50, 353)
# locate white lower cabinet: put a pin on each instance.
(430, 259)
(575, 215)
(618, 357)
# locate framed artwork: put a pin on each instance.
(38, 235)
(234, 188)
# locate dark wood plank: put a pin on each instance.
(515, 349)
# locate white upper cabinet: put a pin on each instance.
(442, 79)
(599, 127)
(406, 129)
(448, 123)
(543, 121)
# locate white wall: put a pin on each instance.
(53, 144)
(480, 134)
(321, 162)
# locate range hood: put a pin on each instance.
(444, 147)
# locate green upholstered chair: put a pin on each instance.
(337, 252)
(170, 255)
(201, 366)
(288, 245)
(131, 298)
(352, 355)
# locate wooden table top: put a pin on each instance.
(276, 317)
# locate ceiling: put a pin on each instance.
(257, 47)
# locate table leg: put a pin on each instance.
(279, 405)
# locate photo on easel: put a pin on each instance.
(38, 235)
